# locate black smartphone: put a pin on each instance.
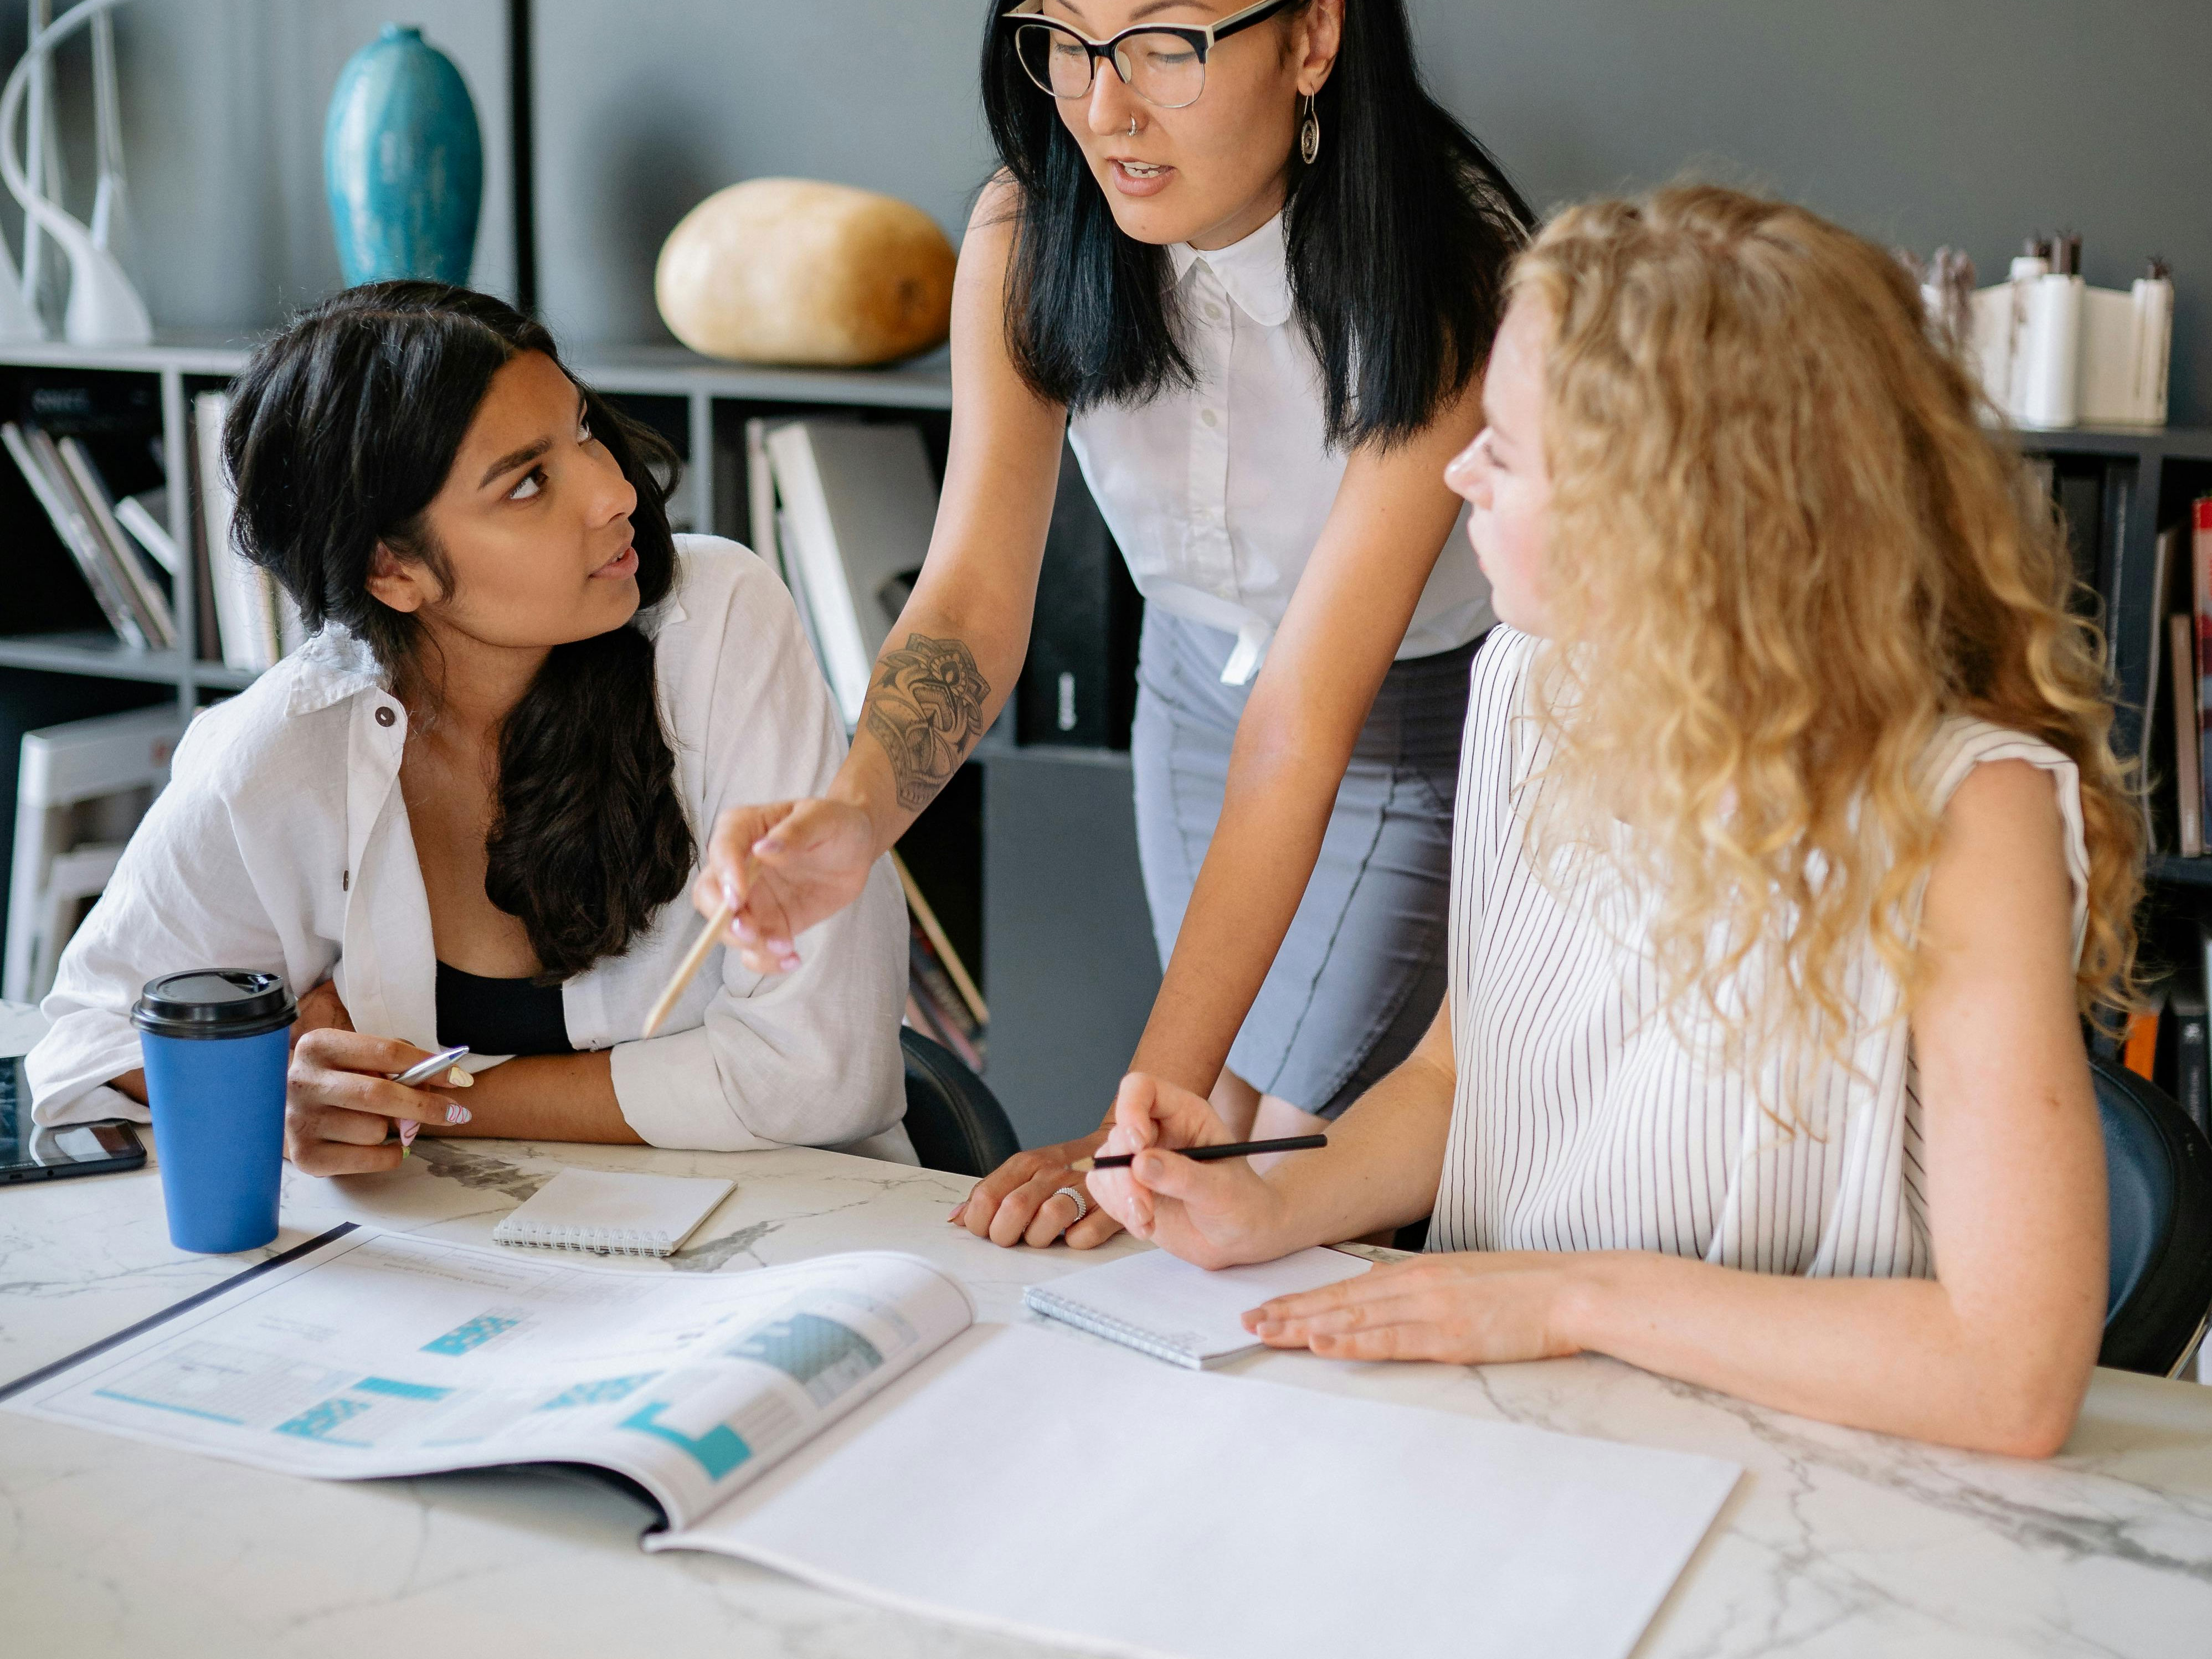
(30, 1153)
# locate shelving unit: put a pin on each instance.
(2151, 476)
(988, 856)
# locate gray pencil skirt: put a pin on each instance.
(1362, 972)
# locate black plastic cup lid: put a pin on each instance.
(212, 1002)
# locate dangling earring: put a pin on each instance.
(1309, 133)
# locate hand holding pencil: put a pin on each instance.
(782, 868)
(1184, 1188)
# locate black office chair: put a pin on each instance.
(2159, 1168)
(954, 1122)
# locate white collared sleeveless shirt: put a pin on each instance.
(1217, 491)
(1585, 1120)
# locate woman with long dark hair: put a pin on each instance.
(1240, 257)
(463, 811)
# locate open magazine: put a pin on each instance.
(369, 1353)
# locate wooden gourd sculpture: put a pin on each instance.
(791, 271)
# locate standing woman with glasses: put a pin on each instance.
(1245, 262)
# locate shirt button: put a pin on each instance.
(1207, 417)
(384, 716)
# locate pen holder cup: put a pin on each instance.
(216, 1049)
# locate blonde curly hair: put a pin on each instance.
(1785, 548)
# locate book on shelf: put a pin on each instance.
(857, 506)
(148, 602)
(943, 1000)
(2139, 1046)
(255, 621)
(40, 463)
(2188, 752)
(2164, 561)
(139, 515)
(2199, 569)
(931, 991)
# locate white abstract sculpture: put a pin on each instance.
(17, 320)
(104, 309)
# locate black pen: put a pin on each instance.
(1208, 1154)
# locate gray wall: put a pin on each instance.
(1971, 122)
(1919, 122)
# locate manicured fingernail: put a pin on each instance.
(744, 930)
(408, 1127)
(958, 1210)
(458, 1079)
(780, 946)
(457, 1113)
(406, 1151)
(729, 892)
(786, 964)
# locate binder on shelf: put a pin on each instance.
(149, 603)
(2081, 497)
(2191, 1081)
(1078, 685)
(40, 463)
(858, 505)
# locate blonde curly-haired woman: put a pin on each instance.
(1790, 848)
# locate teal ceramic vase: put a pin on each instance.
(402, 162)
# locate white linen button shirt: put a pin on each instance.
(282, 844)
(1216, 492)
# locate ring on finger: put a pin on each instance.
(1082, 1201)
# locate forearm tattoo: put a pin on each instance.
(926, 708)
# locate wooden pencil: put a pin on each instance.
(689, 966)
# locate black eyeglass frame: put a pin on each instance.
(1201, 37)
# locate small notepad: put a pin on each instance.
(612, 1213)
(1161, 1305)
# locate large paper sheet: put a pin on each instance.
(1032, 1482)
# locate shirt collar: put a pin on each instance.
(1254, 272)
(331, 666)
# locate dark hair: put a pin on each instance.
(1399, 234)
(341, 430)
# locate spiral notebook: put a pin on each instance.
(612, 1213)
(1161, 1305)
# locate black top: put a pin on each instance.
(500, 1016)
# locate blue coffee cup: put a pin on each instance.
(215, 1049)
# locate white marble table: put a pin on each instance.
(1835, 1542)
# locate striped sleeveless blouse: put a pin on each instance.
(1586, 1120)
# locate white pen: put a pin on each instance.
(420, 1073)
